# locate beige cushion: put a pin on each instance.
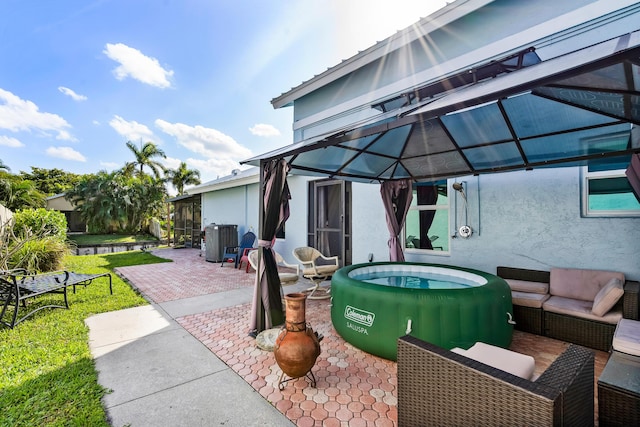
(527, 286)
(627, 337)
(323, 270)
(578, 283)
(288, 278)
(528, 299)
(607, 297)
(579, 308)
(517, 364)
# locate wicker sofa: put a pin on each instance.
(534, 313)
(439, 387)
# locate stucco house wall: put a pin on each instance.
(533, 220)
(59, 203)
(238, 205)
(369, 224)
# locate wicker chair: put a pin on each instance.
(287, 277)
(438, 387)
(317, 268)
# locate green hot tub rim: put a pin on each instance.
(384, 343)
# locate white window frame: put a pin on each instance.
(586, 177)
(436, 207)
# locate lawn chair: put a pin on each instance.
(17, 286)
(286, 277)
(235, 252)
(317, 268)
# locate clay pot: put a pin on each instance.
(297, 347)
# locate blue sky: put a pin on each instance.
(78, 78)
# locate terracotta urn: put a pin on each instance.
(297, 347)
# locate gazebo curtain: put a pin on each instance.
(396, 198)
(427, 195)
(266, 310)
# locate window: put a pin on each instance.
(606, 192)
(427, 224)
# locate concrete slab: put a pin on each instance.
(152, 363)
(222, 398)
(160, 374)
(204, 303)
(125, 325)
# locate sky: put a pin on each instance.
(79, 78)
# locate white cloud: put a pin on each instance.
(207, 142)
(20, 115)
(65, 136)
(212, 168)
(138, 66)
(171, 163)
(66, 153)
(8, 141)
(261, 129)
(72, 94)
(132, 130)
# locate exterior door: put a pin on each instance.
(330, 228)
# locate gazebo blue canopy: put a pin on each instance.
(568, 110)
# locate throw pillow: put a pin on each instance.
(607, 297)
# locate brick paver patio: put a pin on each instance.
(353, 388)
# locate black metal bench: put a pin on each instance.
(17, 286)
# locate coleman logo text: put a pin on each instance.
(362, 317)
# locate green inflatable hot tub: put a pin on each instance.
(375, 304)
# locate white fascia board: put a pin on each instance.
(436, 20)
(254, 179)
(55, 196)
(540, 34)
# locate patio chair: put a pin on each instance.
(439, 387)
(286, 278)
(317, 268)
(245, 259)
(17, 286)
(235, 252)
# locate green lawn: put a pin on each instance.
(47, 374)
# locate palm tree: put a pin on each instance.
(183, 176)
(114, 202)
(16, 193)
(144, 157)
(4, 167)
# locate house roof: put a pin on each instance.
(564, 111)
(235, 179)
(180, 198)
(421, 29)
(55, 196)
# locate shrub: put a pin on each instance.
(41, 222)
(40, 254)
(34, 239)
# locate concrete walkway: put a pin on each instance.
(160, 375)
